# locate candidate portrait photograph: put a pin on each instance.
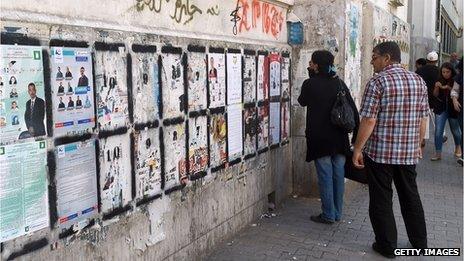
(35, 112)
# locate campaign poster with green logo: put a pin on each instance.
(22, 98)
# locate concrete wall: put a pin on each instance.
(187, 223)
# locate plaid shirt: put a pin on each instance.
(398, 100)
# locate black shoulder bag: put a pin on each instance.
(342, 114)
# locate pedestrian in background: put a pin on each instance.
(327, 144)
(457, 97)
(394, 113)
(420, 63)
(445, 111)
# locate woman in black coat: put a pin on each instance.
(327, 144)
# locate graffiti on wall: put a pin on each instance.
(263, 16)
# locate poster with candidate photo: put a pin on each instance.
(172, 77)
(217, 80)
(146, 87)
(76, 182)
(249, 130)
(72, 90)
(234, 78)
(274, 123)
(263, 127)
(217, 137)
(274, 74)
(115, 172)
(196, 80)
(23, 189)
(22, 98)
(285, 76)
(263, 78)
(198, 144)
(249, 79)
(111, 89)
(147, 163)
(174, 155)
(285, 120)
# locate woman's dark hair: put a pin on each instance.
(324, 60)
(450, 67)
(421, 61)
(390, 48)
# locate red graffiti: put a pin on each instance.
(270, 16)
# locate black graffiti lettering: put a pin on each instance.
(185, 9)
(153, 5)
(213, 10)
(235, 18)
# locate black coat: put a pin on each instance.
(322, 137)
(430, 74)
(35, 119)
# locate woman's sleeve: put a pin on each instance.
(303, 99)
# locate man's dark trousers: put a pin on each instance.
(380, 178)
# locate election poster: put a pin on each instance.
(111, 89)
(174, 155)
(285, 75)
(274, 123)
(234, 125)
(217, 80)
(249, 130)
(76, 182)
(172, 76)
(249, 79)
(146, 87)
(263, 127)
(147, 163)
(285, 120)
(217, 137)
(198, 145)
(263, 78)
(234, 78)
(72, 90)
(196, 80)
(115, 172)
(22, 97)
(23, 189)
(274, 74)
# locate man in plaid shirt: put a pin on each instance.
(394, 111)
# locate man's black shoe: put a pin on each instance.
(383, 252)
(320, 219)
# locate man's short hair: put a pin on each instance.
(31, 84)
(421, 61)
(390, 48)
(82, 68)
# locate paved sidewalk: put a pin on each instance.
(290, 235)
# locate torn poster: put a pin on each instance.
(234, 78)
(111, 89)
(147, 160)
(274, 123)
(23, 189)
(174, 155)
(285, 120)
(285, 74)
(250, 130)
(196, 80)
(72, 90)
(172, 77)
(115, 172)
(234, 130)
(22, 98)
(263, 127)
(146, 87)
(274, 73)
(198, 145)
(263, 78)
(217, 80)
(249, 79)
(76, 182)
(217, 134)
